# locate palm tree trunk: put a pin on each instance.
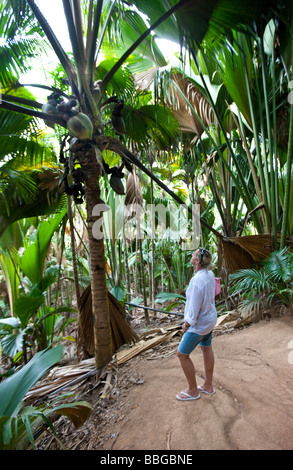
(73, 251)
(102, 328)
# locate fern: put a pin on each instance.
(267, 285)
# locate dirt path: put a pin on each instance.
(251, 410)
(252, 407)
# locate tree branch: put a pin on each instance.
(45, 87)
(54, 118)
(61, 54)
(17, 99)
(108, 77)
(93, 40)
(116, 146)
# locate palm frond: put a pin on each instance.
(20, 40)
(151, 122)
(29, 193)
(17, 17)
(62, 56)
(30, 151)
(279, 266)
(12, 124)
(267, 286)
(18, 182)
(251, 306)
(122, 83)
(132, 28)
(251, 280)
(15, 58)
(282, 296)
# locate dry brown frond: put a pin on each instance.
(133, 190)
(122, 332)
(242, 252)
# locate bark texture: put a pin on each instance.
(89, 158)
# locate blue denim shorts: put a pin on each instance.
(190, 340)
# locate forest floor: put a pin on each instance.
(252, 408)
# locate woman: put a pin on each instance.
(200, 317)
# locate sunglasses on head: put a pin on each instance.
(201, 253)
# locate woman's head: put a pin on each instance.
(202, 258)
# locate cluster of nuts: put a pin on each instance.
(78, 124)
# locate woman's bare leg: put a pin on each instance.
(189, 372)
(209, 362)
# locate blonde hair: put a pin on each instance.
(205, 258)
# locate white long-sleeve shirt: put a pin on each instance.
(200, 311)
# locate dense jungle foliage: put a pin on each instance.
(124, 158)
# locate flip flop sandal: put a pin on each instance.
(187, 397)
(204, 391)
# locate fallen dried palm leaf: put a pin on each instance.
(62, 376)
(122, 333)
(72, 375)
(144, 345)
(227, 317)
(109, 382)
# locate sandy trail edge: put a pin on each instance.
(252, 408)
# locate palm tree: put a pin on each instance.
(80, 112)
(27, 187)
(24, 182)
